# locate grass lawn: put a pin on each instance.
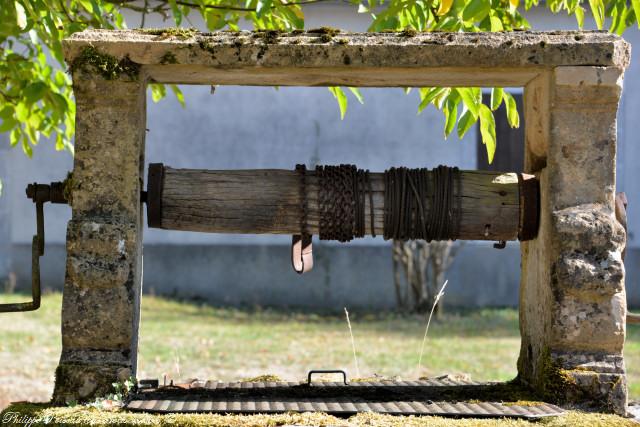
(184, 340)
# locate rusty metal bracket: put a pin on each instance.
(40, 194)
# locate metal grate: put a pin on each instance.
(386, 397)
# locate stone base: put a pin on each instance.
(594, 380)
(81, 382)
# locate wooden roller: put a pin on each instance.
(494, 205)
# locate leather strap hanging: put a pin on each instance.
(301, 244)
(301, 253)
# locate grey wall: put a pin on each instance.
(261, 275)
(249, 127)
(5, 212)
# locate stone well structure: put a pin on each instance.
(572, 311)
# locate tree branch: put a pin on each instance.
(125, 4)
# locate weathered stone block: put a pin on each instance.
(585, 323)
(586, 273)
(589, 241)
(598, 390)
(590, 226)
(100, 318)
(595, 361)
(100, 255)
(109, 143)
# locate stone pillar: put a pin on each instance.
(573, 303)
(101, 300)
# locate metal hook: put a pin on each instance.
(500, 245)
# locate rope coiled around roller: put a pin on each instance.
(341, 202)
(418, 203)
(408, 195)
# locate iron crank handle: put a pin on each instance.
(40, 194)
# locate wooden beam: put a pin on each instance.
(268, 202)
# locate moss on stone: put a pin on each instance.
(554, 382)
(207, 47)
(91, 60)
(181, 33)
(409, 32)
(330, 31)
(78, 382)
(67, 188)
(168, 58)
(268, 36)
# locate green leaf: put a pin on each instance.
(636, 9)
(22, 112)
(21, 16)
(496, 97)
(450, 114)
(177, 13)
(465, 122)
(579, 12)
(512, 110)
(26, 148)
(179, 95)
(597, 9)
(59, 142)
(496, 24)
(343, 102)
(158, 91)
(357, 94)
(14, 137)
(471, 99)
(429, 96)
(263, 7)
(8, 124)
(34, 92)
(488, 131)
(476, 10)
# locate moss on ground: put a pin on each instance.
(91, 60)
(263, 378)
(45, 414)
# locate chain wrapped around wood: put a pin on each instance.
(480, 205)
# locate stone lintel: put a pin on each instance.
(356, 59)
